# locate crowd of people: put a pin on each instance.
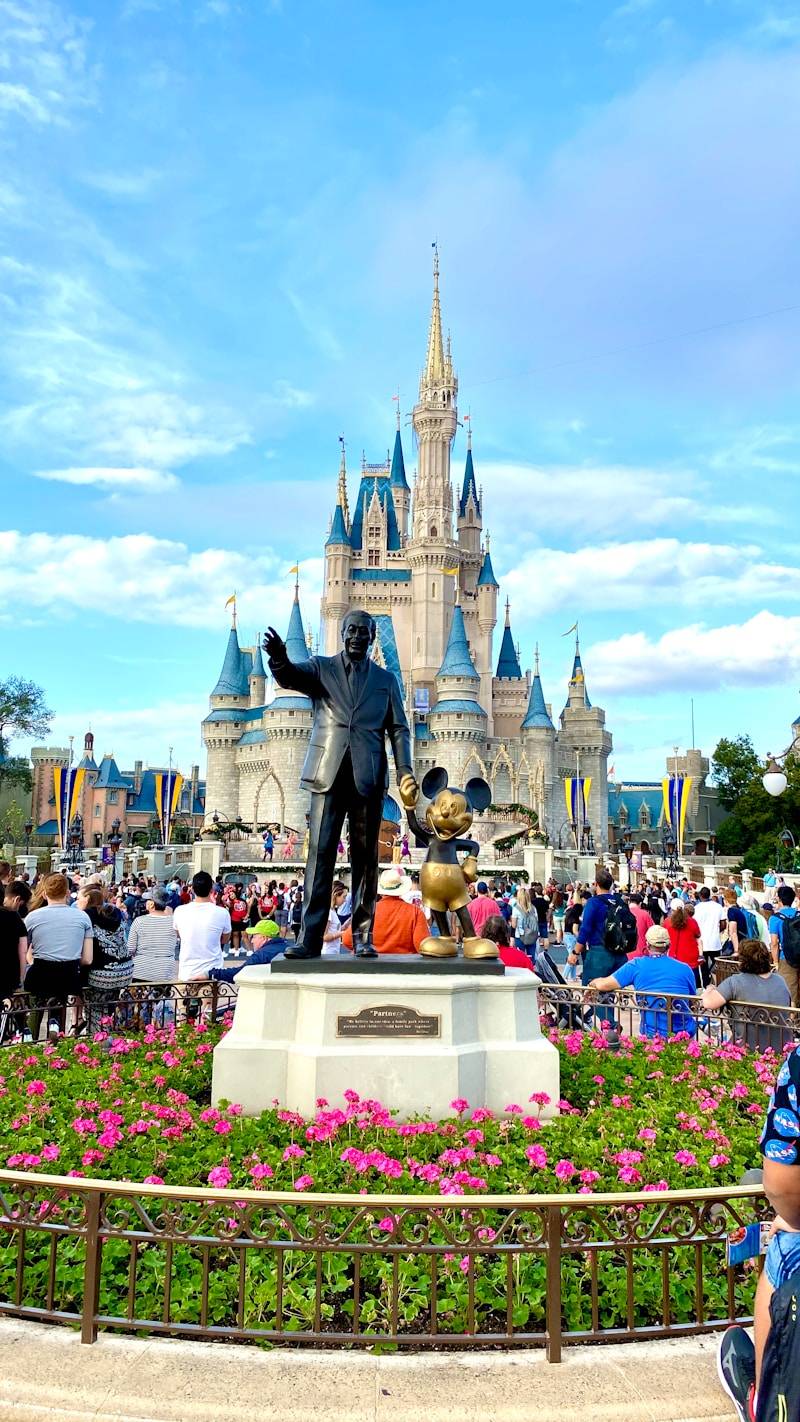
(66, 937)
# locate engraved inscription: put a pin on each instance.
(388, 1021)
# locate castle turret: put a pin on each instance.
(486, 617)
(432, 550)
(458, 720)
(401, 493)
(257, 678)
(470, 517)
(538, 742)
(584, 746)
(338, 560)
(287, 730)
(509, 687)
(223, 726)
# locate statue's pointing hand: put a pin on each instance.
(274, 646)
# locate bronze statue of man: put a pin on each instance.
(356, 705)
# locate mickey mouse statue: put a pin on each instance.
(442, 879)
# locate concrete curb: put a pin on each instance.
(47, 1375)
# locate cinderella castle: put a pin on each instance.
(417, 557)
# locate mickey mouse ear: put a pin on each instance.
(433, 781)
(478, 793)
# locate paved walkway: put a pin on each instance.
(47, 1375)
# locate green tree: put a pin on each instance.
(734, 765)
(23, 712)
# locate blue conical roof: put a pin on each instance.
(508, 666)
(486, 577)
(233, 677)
(469, 487)
(257, 669)
(578, 674)
(537, 717)
(338, 533)
(457, 658)
(296, 648)
(397, 476)
(110, 777)
(87, 762)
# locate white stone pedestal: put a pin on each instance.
(413, 1042)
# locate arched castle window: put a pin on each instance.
(433, 589)
(434, 531)
(644, 817)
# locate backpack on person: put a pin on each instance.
(109, 946)
(750, 921)
(621, 934)
(790, 939)
(528, 928)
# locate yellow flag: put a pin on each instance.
(573, 628)
(231, 599)
(295, 569)
(452, 571)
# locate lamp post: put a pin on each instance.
(712, 844)
(627, 850)
(669, 859)
(114, 842)
(75, 842)
(28, 831)
(787, 841)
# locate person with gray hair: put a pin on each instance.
(662, 977)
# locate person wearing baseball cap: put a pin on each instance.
(398, 926)
(265, 942)
(659, 975)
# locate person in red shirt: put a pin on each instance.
(496, 930)
(238, 909)
(684, 937)
(644, 920)
(398, 926)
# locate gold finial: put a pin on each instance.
(341, 493)
(434, 371)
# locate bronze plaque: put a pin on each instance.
(389, 1021)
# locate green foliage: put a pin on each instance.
(734, 765)
(11, 825)
(752, 829)
(23, 712)
(134, 1107)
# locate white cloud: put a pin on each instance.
(636, 575)
(151, 481)
(44, 57)
(124, 185)
(764, 651)
(138, 733)
(315, 327)
(599, 499)
(139, 578)
(16, 98)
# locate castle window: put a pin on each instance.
(419, 644)
(374, 531)
(433, 589)
(373, 558)
(97, 812)
(112, 797)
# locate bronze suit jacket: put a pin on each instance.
(355, 713)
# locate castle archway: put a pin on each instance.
(269, 805)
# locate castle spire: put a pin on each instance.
(537, 717)
(508, 667)
(340, 523)
(435, 361)
(295, 634)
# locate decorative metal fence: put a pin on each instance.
(356, 1270)
(569, 1006)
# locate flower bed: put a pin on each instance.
(650, 1116)
(645, 1119)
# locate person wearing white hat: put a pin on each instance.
(398, 926)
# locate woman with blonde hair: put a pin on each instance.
(60, 938)
(524, 921)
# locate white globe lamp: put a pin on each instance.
(774, 778)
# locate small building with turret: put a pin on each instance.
(418, 558)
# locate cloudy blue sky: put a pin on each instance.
(217, 219)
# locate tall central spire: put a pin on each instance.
(435, 362)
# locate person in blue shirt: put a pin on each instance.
(266, 943)
(785, 909)
(653, 977)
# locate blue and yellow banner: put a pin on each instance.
(168, 793)
(577, 790)
(67, 786)
(676, 791)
